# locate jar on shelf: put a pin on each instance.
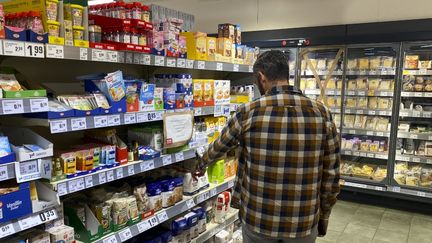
(142, 38)
(134, 36)
(111, 10)
(77, 14)
(145, 15)
(51, 9)
(121, 8)
(95, 33)
(78, 32)
(136, 10)
(53, 28)
(125, 35)
(128, 10)
(116, 36)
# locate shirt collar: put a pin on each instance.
(284, 89)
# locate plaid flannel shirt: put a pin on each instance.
(288, 174)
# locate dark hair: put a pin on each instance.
(273, 64)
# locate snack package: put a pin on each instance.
(380, 173)
(374, 83)
(386, 84)
(321, 64)
(351, 102)
(362, 102)
(5, 148)
(352, 84)
(146, 97)
(382, 124)
(352, 64)
(426, 177)
(411, 61)
(375, 63)
(349, 121)
(362, 83)
(371, 122)
(8, 82)
(373, 103)
(158, 99)
(387, 62)
(363, 63)
(374, 146)
(408, 83)
(360, 121)
(113, 85)
(384, 103)
(425, 64)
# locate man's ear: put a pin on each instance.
(262, 77)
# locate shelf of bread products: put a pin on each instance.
(103, 176)
(414, 158)
(416, 114)
(378, 72)
(365, 132)
(214, 228)
(370, 93)
(372, 155)
(416, 94)
(10, 106)
(27, 222)
(411, 190)
(168, 213)
(36, 50)
(368, 112)
(349, 181)
(420, 136)
(7, 171)
(318, 92)
(417, 72)
(321, 73)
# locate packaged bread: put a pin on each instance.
(119, 210)
(132, 207)
(418, 87)
(339, 84)
(362, 83)
(360, 121)
(363, 63)
(367, 171)
(374, 146)
(303, 84)
(337, 120)
(347, 168)
(351, 102)
(352, 84)
(374, 83)
(364, 146)
(385, 84)
(357, 170)
(411, 61)
(409, 146)
(375, 63)
(380, 173)
(425, 64)
(349, 121)
(413, 176)
(356, 144)
(426, 177)
(339, 101)
(387, 62)
(400, 172)
(382, 124)
(321, 64)
(371, 122)
(303, 65)
(331, 84)
(140, 193)
(352, 64)
(349, 144)
(311, 83)
(421, 148)
(428, 87)
(362, 102)
(331, 101)
(373, 103)
(384, 103)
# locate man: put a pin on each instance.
(288, 175)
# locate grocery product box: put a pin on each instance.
(211, 48)
(222, 91)
(146, 98)
(25, 93)
(158, 99)
(62, 234)
(196, 45)
(225, 47)
(182, 47)
(47, 198)
(115, 106)
(15, 204)
(89, 232)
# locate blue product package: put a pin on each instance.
(178, 226)
(5, 148)
(169, 97)
(147, 97)
(113, 86)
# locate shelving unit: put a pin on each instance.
(214, 228)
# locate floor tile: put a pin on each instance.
(419, 239)
(397, 221)
(353, 238)
(368, 217)
(364, 231)
(338, 223)
(390, 236)
(420, 226)
(331, 236)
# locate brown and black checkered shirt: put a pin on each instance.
(288, 173)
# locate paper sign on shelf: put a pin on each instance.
(62, 189)
(57, 126)
(171, 62)
(177, 128)
(4, 175)
(89, 181)
(99, 55)
(201, 65)
(189, 64)
(181, 63)
(147, 165)
(145, 60)
(110, 175)
(79, 123)
(110, 239)
(27, 170)
(6, 230)
(159, 60)
(13, 48)
(125, 234)
(39, 105)
(34, 50)
(102, 178)
(55, 51)
(12, 106)
(83, 54)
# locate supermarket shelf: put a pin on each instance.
(420, 136)
(413, 191)
(381, 72)
(375, 155)
(7, 171)
(214, 228)
(28, 222)
(365, 132)
(372, 93)
(318, 92)
(335, 110)
(23, 49)
(164, 215)
(362, 183)
(417, 114)
(419, 72)
(321, 73)
(368, 112)
(80, 183)
(414, 158)
(20, 106)
(417, 94)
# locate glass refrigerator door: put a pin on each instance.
(413, 159)
(368, 104)
(321, 76)
(291, 54)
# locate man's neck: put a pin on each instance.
(280, 83)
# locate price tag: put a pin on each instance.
(189, 64)
(131, 170)
(427, 114)
(371, 155)
(213, 192)
(62, 189)
(383, 93)
(89, 181)
(413, 136)
(421, 194)
(112, 56)
(111, 239)
(129, 118)
(114, 120)
(370, 133)
(230, 183)
(236, 68)
(351, 93)
(78, 123)
(381, 156)
(102, 178)
(251, 69)
(72, 186)
(203, 197)
(58, 126)
(423, 71)
(348, 152)
(6, 230)
(55, 51)
(395, 189)
(119, 173)
(403, 114)
(162, 217)
(363, 72)
(83, 54)
(352, 131)
(166, 160)
(372, 72)
(13, 48)
(38, 105)
(29, 222)
(34, 50)
(372, 112)
(363, 154)
(405, 94)
(355, 153)
(201, 65)
(348, 110)
(181, 63)
(147, 224)
(179, 157)
(380, 134)
(99, 55)
(48, 216)
(361, 93)
(190, 203)
(159, 61)
(110, 175)
(100, 121)
(125, 234)
(418, 94)
(416, 160)
(12, 106)
(145, 59)
(359, 111)
(378, 188)
(330, 92)
(4, 175)
(430, 138)
(147, 165)
(198, 111)
(171, 62)
(219, 66)
(429, 161)
(428, 94)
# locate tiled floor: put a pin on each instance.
(358, 223)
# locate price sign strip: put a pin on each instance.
(365, 132)
(30, 105)
(69, 186)
(164, 215)
(214, 228)
(7, 171)
(414, 158)
(421, 136)
(364, 154)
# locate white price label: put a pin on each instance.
(362, 154)
(6, 230)
(395, 189)
(100, 121)
(99, 55)
(330, 92)
(147, 224)
(58, 126)
(146, 59)
(125, 234)
(380, 134)
(48, 215)
(369, 133)
(4, 175)
(89, 181)
(219, 66)
(378, 188)
(162, 217)
(363, 72)
(13, 48)
(371, 155)
(111, 239)
(55, 51)
(147, 165)
(201, 64)
(230, 183)
(113, 120)
(423, 71)
(213, 192)
(418, 94)
(427, 114)
(359, 111)
(136, 58)
(171, 62)
(110, 175)
(428, 94)
(236, 68)
(190, 203)
(372, 72)
(421, 194)
(119, 173)
(403, 113)
(166, 160)
(76, 185)
(198, 111)
(131, 170)
(351, 93)
(29, 222)
(372, 112)
(190, 64)
(405, 94)
(348, 110)
(179, 156)
(38, 105)
(129, 118)
(416, 114)
(251, 69)
(79, 123)
(413, 136)
(34, 50)
(112, 56)
(12, 106)
(429, 161)
(102, 178)
(80, 184)
(203, 197)
(62, 189)
(383, 93)
(83, 54)
(416, 160)
(181, 63)
(430, 138)
(159, 61)
(355, 153)
(352, 131)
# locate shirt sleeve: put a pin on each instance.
(228, 139)
(330, 177)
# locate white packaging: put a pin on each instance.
(220, 212)
(237, 237)
(222, 237)
(190, 185)
(203, 181)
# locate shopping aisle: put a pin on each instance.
(360, 223)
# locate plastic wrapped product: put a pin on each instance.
(374, 147)
(321, 64)
(400, 173)
(382, 124)
(352, 84)
(178, 226)
(155, 197)
(349, 121)
(167, 193)
(351, 102)
(360, 121)
(375, 63)
(373, 103)
(364, 146)
(374, 83)
(412, 179)
(119, 210)
(178, 189)
(202, 224)
(426, 177)
(362, 102)
(371, 122)
(411, 61)
(352, 64)
(386, 84)
(362, 83)
(192, 220)
(409, 146)
(380, 173)
(387, 62)
(363, 63)
(132, 207)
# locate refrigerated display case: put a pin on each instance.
(367, 112)
(292, 55)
